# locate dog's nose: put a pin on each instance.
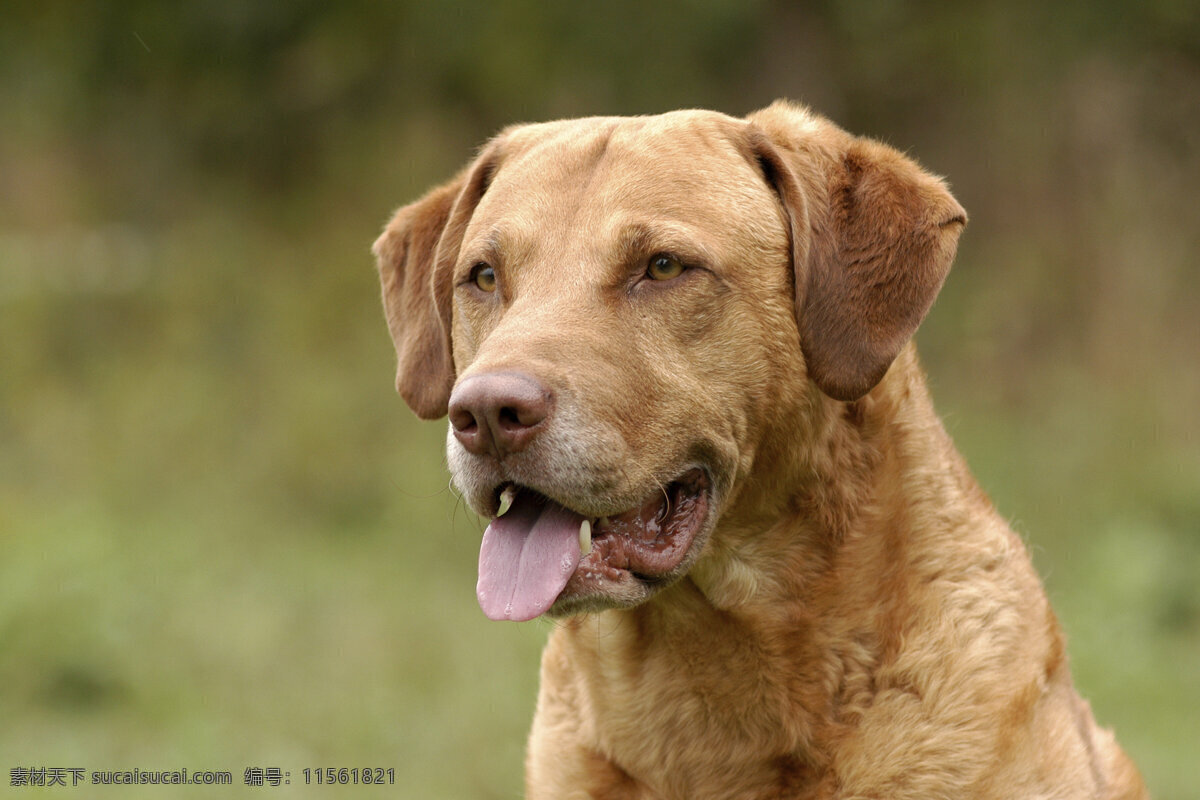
(498, 412)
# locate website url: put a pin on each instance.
(141, 777)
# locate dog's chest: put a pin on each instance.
(693, 718)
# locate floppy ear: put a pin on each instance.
(418, 314)
(415, 255)
(873, 236)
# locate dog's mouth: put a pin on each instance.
(539, 556)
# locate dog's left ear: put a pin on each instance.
(873, 236)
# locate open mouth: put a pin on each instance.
(536, 551)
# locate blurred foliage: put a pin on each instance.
(225, 543)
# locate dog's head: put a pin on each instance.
(618, 313)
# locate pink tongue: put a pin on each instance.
(526, 559)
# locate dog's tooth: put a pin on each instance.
(585, 537)
(602, 522)
(506, 499)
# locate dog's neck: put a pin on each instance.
(808, 515)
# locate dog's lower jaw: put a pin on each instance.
(633, 559)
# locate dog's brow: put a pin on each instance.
(640, 240)
(633, 242)
(499, 244)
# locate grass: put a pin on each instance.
(226, 543)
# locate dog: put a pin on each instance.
(675, 353)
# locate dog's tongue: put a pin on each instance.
(527, 557)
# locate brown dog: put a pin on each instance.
(675, 355)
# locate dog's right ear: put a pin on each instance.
(415, 255)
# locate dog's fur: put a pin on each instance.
(856, 620)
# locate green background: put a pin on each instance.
(225, 542)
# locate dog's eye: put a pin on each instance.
(484, 277)
(663, 267)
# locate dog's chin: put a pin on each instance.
(626, 555)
